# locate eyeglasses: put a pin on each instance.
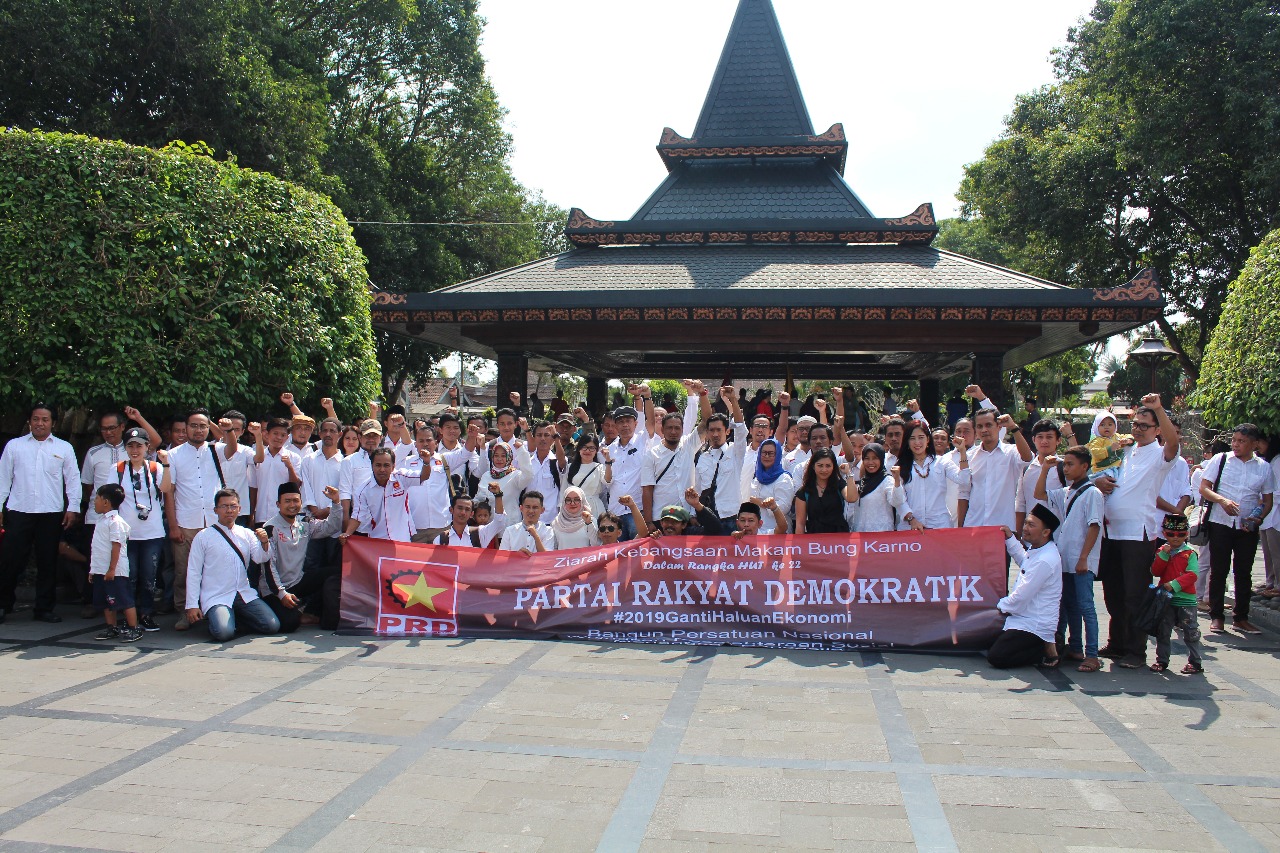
(1141, 425)
(607, 529)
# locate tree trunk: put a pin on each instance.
(1188, 366)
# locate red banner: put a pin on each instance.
(932, 590)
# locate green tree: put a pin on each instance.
(1242, 361)
(1156, 147)
(165, 279)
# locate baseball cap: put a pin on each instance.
(625, 412)
(565, 419)
(369, 425)
(679, 513)
(135, 434)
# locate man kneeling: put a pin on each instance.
(1032, 606)
(284, 585)
(218, 575)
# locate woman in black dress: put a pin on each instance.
(821, 499)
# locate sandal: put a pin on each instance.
(1192, 669)
(1074, 656)
(1158, 667)
(1089, 665)
(1049, 663)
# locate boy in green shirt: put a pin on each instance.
(1177, 569)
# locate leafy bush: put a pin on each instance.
(1242, 361)
(165, 279)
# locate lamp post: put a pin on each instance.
(1150, 354)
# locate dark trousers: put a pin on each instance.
(309, 587)
(1124, 567)
(1231, 549)
(1015, 648)
(24, 532)
(324, 557)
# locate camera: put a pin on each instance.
(143, 512)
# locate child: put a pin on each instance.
(1177, 568)
(109, 566)
(1106, 448)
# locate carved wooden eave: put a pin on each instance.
(832, 147)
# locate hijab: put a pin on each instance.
(870, 482)
(767, 476)
(1097, 422)
(498, 473)
(566, 521)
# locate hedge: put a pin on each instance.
(166, 279)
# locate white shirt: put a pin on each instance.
(993, 486)
(269, 475)
(1272, 521)
(542, 481)
(1243, 482)
(142, 489)
(669, 489)
(1033, 604)
(317, 472)
(384, 511)
(782, 490)
(1026, 500)
(628, 462)
(195, 482)
(99, 468)
(1176, 486)
(924, 496)
(356, 470)
(516, 537)
(429, 498)
(111, 528)
(1129, 505)
(216, 572)
(873, 513)
(458, 460)
(39, 476)
(238, 472)
(795, 460)
(590, 478)
(1087, 508)
(723, 465)
(486, 534)
(953, 488)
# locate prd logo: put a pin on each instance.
(417, 598)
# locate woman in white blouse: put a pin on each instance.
(511, 480)
(771, 481)
(589, 475)
(924, 479)
(873, 497)
(574, 525)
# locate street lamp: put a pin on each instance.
(1150, 354)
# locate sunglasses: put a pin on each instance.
(607, 529)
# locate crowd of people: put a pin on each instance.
(240, 523)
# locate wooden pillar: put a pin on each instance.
(988, 372)
(597, 395)
(929, 402)
(513, 375)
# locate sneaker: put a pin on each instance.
(182, 624)
(131, 635)
(147, 623)
(111, 632)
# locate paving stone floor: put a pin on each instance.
(318, 742)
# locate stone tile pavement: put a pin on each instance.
(345, 744)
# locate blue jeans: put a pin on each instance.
(144, 564)
(256, 617)
(1078, 607)
(628, 528)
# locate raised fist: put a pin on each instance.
(604, 452)
(1052, 460)
(514, 397)
(957, 442)
(1151, 401)
(784, 400)
(286, 398)
(627, 501)
(691, 497)
(261, 533)
(132, 414)
(255, 429)
(845, 469)
(581, 414)
(975, 392)
(820, 404)
(331, 493)
(726, 393)
(769, 504)
(453, 392)
(913, 405)
(494, 488)
(224, 424)
(326, 403)
(1006, 421)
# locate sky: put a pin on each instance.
(921, 89)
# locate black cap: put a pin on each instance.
(288, 489)
(1046, 515)
(625, 412)
(135, 434)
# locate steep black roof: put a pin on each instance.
(754, 91)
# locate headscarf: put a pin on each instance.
(767, 476)
(1097, 422)
(565, 521)
(870, 482)
(499, 473)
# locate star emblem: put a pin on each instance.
(418, 592)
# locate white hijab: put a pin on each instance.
(1097, 422)
(566, 521)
